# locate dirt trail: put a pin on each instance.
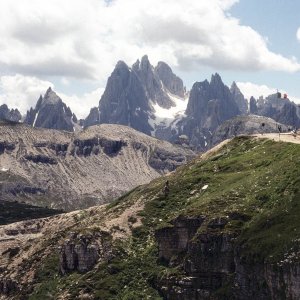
(283, 137)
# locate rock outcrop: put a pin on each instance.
(80, 252)
(212, 261)
(7, 286)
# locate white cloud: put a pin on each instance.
(84, 39)
(22, 92)
(298, 34)
(251, 89)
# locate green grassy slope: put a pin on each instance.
(257, 180)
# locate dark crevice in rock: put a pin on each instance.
(39, 158)
(6, 146)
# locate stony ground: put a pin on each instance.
(71, 171)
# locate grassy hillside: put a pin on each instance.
(256, 180)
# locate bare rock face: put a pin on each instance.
(212, 260)
(124, 100)
(210, 104)
(253, 106)
(130, 94)
(93, 118)
(80, 253)
(172, 82)
(239, 98)
(174, 240)
(152, 83)
(6, 146)
(50, 112)
(76, 170)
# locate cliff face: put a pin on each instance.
(212, 261)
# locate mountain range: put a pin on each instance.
(153, 100)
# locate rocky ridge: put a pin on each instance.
(67, 170)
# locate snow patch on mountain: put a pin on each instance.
(163, 117)
(35, 118)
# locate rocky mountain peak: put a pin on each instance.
(136, 65)
(131, 94)
(9, 114)
(216, 79)
(121, 65)
(239, 98)
(145, 63)
(51, 112)
(234, 87)
(50, 97)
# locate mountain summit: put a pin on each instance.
(51, 112)
(133, 95)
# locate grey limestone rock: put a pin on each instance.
(281, 110)
(130, 94)
(239, 98)
(81, 252)
(172, 82)
(210, 104)
(9, 114)
(51, 112)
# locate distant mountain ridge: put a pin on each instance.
(154, 100)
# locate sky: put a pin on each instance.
(73, 45)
